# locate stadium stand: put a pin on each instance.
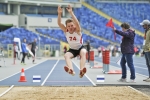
(133, 13)
(58, 34)
(89, 20)
(8, 36)
(96, 24)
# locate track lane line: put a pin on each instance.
(85, 74)
(24, 69)
(50, 73)
(127, 70)
(6, 91)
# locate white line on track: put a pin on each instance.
(85, 74)
(140, 63)
(50, 73)
(135, 67)
(6, 91)
(140, 67)
(24, 69)
(138, 91)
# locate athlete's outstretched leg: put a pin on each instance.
(83, 58)
(68, 56)
(82, 62)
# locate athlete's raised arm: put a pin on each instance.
(75, 20)
(59, 10)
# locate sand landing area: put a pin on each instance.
(72, 93)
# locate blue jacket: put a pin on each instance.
(23, 46)
(127, 45)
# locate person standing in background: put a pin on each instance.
(24, 51)
(1, 53)
(127, 49)
(16, 50)
(146, 46)
(33, 49)
(88, 50)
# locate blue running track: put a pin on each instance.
(52, 74)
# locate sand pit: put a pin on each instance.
(2, 89)
(73, 93)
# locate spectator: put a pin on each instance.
(24, 51)
(33, 49)
(146, 46)
(16, 50)
(127, 49)
(1, 53)
(88, 50)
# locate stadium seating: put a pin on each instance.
(58, 34)
(54, 33)
(133, 13)
(96, 24)
(8, 36)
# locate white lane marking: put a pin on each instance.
(6, 91)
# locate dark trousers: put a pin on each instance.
(147, 57)
(127, 58)
(33, 51)
(17, 55)
(23, 57)
(88, 55)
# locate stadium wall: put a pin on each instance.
(28, 21)
(39, 21)
(9, 19)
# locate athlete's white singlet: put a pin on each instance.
(75, 40)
